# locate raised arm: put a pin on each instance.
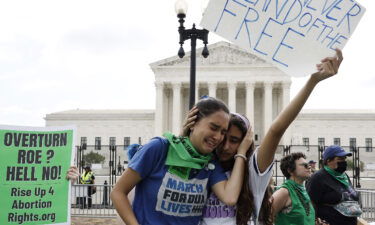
(228, 191)
(119, 196)
(327, 68)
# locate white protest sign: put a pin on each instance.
(294, 35)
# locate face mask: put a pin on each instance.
(341, 166)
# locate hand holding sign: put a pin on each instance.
(72, 174)
(328, 67)
(31, 162)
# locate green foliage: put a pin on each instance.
(351, 165)
(93, 157)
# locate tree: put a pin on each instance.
(351, 165)
(93, 157)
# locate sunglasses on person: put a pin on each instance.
(306, 165)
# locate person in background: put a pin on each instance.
(73, 176)
(87, 177)
(119, 168)
(291, 204)
(330, 189)
(312, 165)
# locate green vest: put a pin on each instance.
(296, 216)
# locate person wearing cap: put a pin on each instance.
(330, 189)
(312, 165)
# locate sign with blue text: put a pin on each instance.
(33, 166)
(294, 35)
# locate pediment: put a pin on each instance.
(221, 53)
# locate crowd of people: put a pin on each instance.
(211, 173)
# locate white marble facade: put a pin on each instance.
(136, 125)
(247, 84)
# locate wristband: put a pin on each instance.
(241, 156)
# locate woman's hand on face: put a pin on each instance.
(246, 142)
(72, 173)
(328, 67)
(189, 121)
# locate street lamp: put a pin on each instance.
(112, 163)
(192, 34)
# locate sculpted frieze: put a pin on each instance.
(219, 55)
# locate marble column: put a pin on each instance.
(287, 138)
(267, 106)
(286, 94)
(232, 96)
(212, 86)
(176, 113)
(250, 102)
(159, 108)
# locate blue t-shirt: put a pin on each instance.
(164, 198)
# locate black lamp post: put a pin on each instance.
(193, 34)
(112, 163)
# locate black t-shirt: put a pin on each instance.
(325, 191)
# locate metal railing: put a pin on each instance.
(101, 204)
(114, 153)
(98, 204)
(367, 201)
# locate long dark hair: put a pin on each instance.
(245, 203)
(265, 214)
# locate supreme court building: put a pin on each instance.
(246, 83)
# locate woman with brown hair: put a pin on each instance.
(217, 212)
(172, 174)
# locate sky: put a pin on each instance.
(58, 55)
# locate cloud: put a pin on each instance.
(19, 52)
(60, 55)
(97, 40)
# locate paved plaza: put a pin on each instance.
(106, 221)
(93, 221)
